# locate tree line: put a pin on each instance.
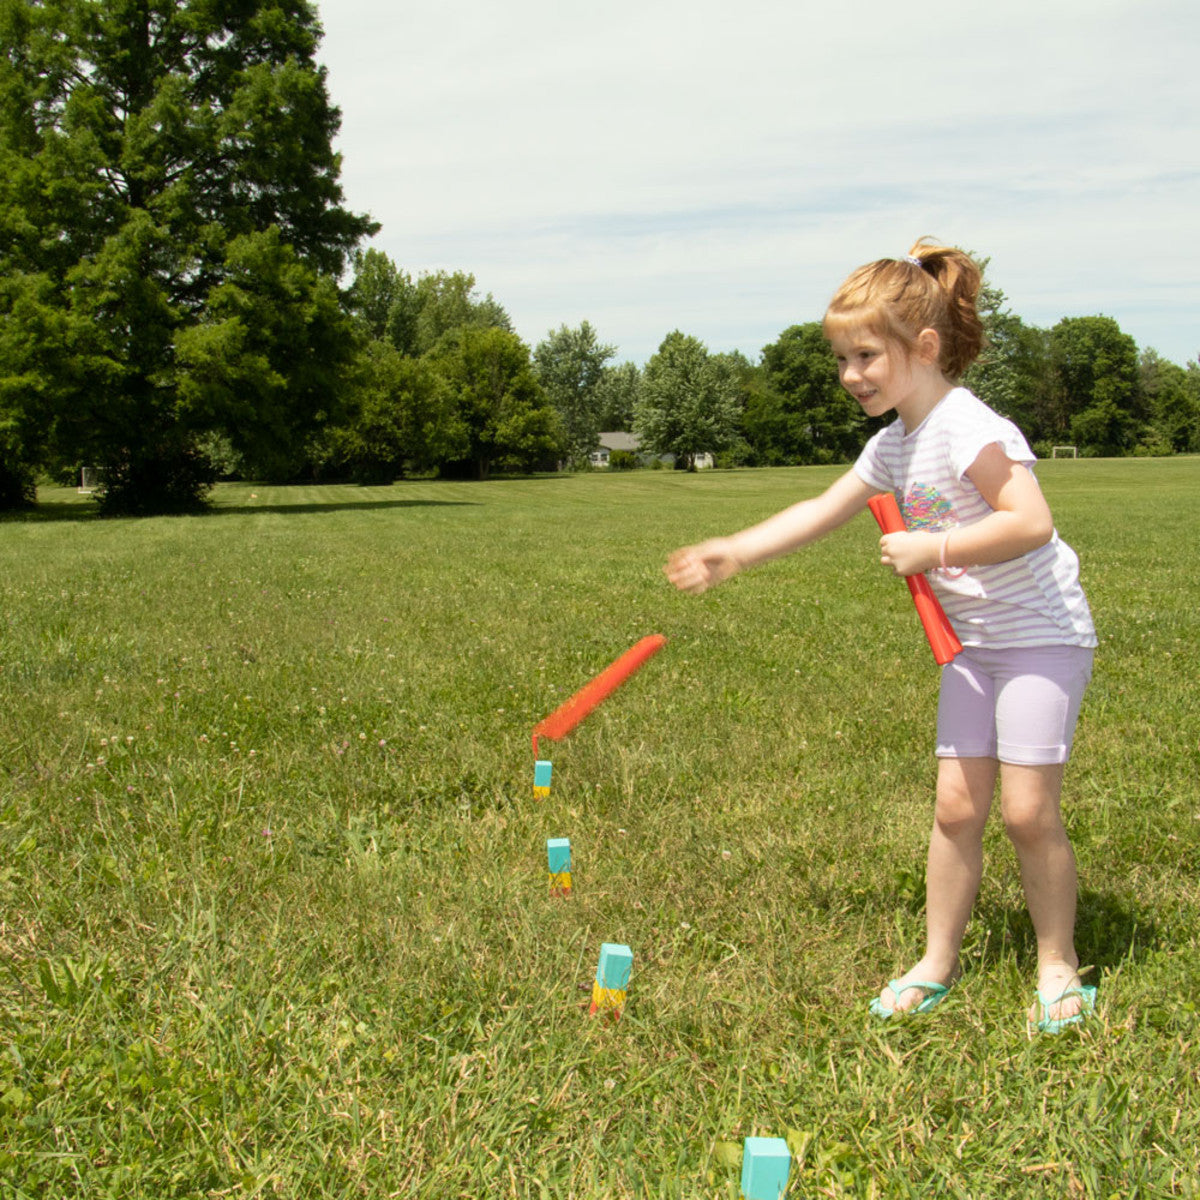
(174, 250)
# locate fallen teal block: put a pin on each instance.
(765, 1166)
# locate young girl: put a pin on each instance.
(903, 331)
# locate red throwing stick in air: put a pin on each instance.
(942, 638)
(564, 718)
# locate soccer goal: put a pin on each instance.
(88, 478)
(1063, 452)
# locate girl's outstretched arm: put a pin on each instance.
(697, 568)
(1020, 522)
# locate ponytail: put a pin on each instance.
(932, 287)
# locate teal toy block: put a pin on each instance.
(616, 961)
(558, 855)
(542, 771)
(558, 852)
(765, 1166)
(612, 978)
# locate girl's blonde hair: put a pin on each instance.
(935, 287)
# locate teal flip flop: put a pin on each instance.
(1087, 997)
(936, 994)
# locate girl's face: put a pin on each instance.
(875, 372)
(885, 376)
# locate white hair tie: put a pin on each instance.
(916, 262)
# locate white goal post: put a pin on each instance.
(1063, 452)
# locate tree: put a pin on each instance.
(1173, 411)
(1095, 397)
(384, 298)
(617, 393)
(415, 316)
(155, 155)
(446, 301)
(1012, 373)
(29, 390)
(403, 418)
(268, 359)
(798, 411)
(509, 422)
(570, 366)
(738, 376)
(689, 401)
(1192, 384)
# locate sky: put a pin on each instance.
(720, 167)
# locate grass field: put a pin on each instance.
(273, 901)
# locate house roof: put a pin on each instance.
(618, 441)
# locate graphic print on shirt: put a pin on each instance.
(926, 508)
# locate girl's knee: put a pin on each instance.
(1029, 804)
(958, 812)
(1029, 820)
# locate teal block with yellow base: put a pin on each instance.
(612, 980)
(558, 855)
(543, 769)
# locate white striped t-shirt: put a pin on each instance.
(1033, 600)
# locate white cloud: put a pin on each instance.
(719, 168)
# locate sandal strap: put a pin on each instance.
(1085, 992)
(900, 985)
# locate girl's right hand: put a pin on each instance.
(695, 569)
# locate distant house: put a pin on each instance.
(610, 442)
(628, 442)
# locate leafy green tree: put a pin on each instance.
(617, 393)
(414, 316)
(741, 377)
(427, 413)
(1173, 411)
(403, 418)
(384, 298)
(446, 301)
(1012, 373)
(570, 366)
(508, 420)
(1192, 384)
(154, 156)
(1094, 387)
(689, 402)
(798, 411)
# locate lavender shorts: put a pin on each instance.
(1018, 705)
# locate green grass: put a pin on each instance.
(273, 902)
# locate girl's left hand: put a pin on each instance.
(910, 553)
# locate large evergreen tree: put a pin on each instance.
(171, 224)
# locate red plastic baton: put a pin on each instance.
(564, 718)
(942, 638)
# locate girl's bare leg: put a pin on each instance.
(964, 796)
(1029, 800)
